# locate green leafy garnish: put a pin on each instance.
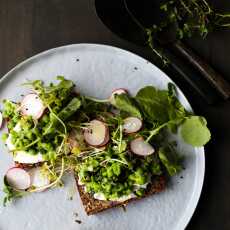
(175, 110)
(127, 104)
(54, 96)
(187, 18)
(70, 109)
(195, 132)
(11, 193)
(153, 104)
(163, 109)
(170, 159)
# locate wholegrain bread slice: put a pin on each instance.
(93, 206)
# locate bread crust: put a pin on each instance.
(93, 206)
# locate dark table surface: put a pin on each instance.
(28, 27)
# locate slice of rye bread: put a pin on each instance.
(93, 206)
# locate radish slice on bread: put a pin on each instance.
(38, 179)
(32, 105)
(117, 92)
(18, 178)
(97, 133)
(140, 147)
(132, 125)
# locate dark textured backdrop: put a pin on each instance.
(28, 27)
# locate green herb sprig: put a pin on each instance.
(191, 17)
(188, 18)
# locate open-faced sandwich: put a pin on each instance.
(117, 148)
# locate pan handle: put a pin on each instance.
(217, 81)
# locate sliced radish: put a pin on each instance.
(38, 179)
(102, 148)
(97, 133)
(140, 147)
(117, 92)
(1, 120)
(18, 178)
(106, 140)
(32, 105)
(26, 158)
(132, 125)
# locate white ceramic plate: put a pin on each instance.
(97, 70)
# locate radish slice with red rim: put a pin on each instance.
(132, 125)
(32, 105)
(18, 178)
(38, 179)
(106, 140)
(117, 92)
(101, 148)
(140, 147)
(97, 133)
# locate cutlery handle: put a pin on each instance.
(204, 93)
(217, 81)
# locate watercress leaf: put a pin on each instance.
(170, 159)
(10, 193)
(154, 104)
(194, 131)
(174, 124)
(63, 115)
(155, 166)
(64, 83)
(53, 95)
(70, 109)
(127, 104)
(92, 108)
(176, 109)
(116, 168)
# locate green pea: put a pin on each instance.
(109, 172)
(116, 168)
(107, 187)
(113, 196)
(104, 174)
(30, 135)
(120, 187)
(140, 192)
(156, 169)
(32, 152)
(128, 191)
(10, 125)
(4, 136)
(45, 118)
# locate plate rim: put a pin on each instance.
(194, 200)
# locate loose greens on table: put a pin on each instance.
(115, 147)
(188, 18)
